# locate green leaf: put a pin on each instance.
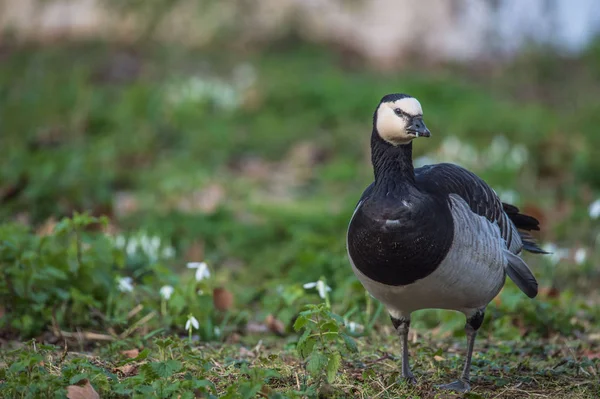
(333, 365)
(166, 369)
(316, 364)
(76, 378)
(349, 341)
(300, 322)
(305, 344)
(330, 326)
(205, 385)
(336, 317)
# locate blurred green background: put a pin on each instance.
(251, 157)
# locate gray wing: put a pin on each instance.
(481, 198)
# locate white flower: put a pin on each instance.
(217, 331)
(132, 246)
(192, 322)
(125, 284)
(580, 255)
(556, 253)
(594, 209)
(168, 252)
(508, 196)
(422, 161)
(354, 327)
(120, 241)
(166, 291)
(202, 271)
(321, 287)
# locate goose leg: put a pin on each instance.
(473, 324)
(402, 325)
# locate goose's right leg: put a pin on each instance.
(402, 325)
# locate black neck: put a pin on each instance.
(392, 165)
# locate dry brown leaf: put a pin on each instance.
(127, 370)
(125, 203)
(233, 338)
(86, 391)
(275, 325)
(195, 251)
(246, 353)
(438, 358)
(131, 353)
(550, 292)
(254, 327)
(222, 299)
(47, 227)
(206, 200)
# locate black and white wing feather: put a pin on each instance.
(453, 179)
(483, 201)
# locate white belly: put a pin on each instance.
(470, 276)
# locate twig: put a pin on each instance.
(135, 311)
(384, 390)
(382, 358)
(86, 335)
(137, 324)
(507, 389)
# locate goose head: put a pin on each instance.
(399, 119)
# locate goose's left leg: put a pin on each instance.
(473, 324)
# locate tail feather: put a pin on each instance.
(521, 275)
(525, 224)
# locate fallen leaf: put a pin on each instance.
(275, 325)
(205, 201)
(438, 358)
(550, 292)
(254, 327)
(233, 338)
(222, 299)
(86, 391)
(195, 251)
(246, 353)
(47, 227)
(127, 370)
(125, 203)
(131, 353)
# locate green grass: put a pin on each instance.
(263, 192)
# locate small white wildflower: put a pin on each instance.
(580, 255)
(422, 161)
(217, 331)
(556, 253)
(202, 271)
(354, 327)
(321, 287)
(192, 322)
(594, 209)
(132, 246)
(166, 291)
(168, 252)
(508, 196)
(498, 148)
(120, 241)
(518, 156)
(125, 284)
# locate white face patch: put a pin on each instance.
(409, 105)
(392, 127)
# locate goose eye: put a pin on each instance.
(398, 111)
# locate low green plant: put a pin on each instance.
(323, 341)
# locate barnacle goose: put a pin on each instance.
(433, 237)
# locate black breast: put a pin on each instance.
(406, 249)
